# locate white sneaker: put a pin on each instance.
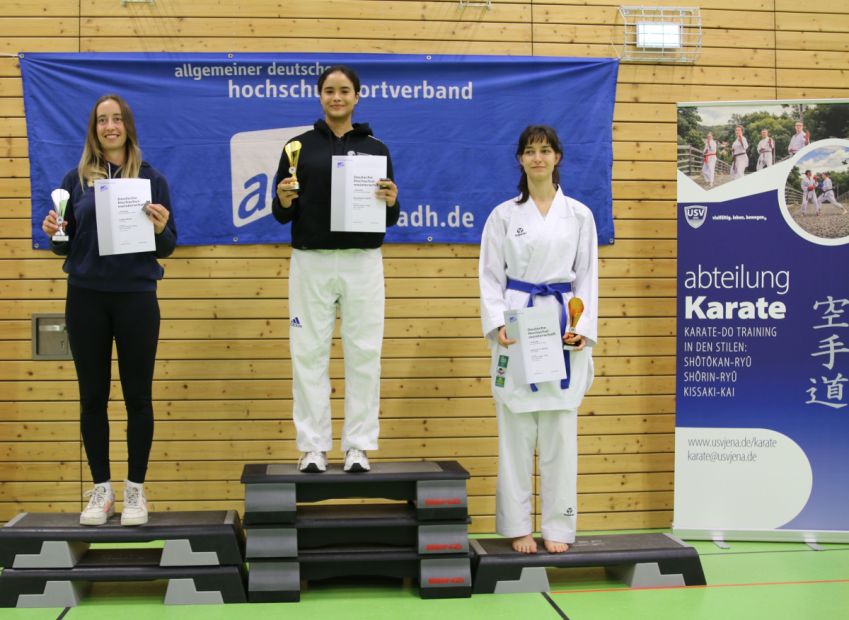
(135, 506)
(100, 507)
(313, 462)
(356, 461)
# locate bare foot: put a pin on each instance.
(525, 544)
(553, 546)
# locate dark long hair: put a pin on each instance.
(531, 134)
(344, 70)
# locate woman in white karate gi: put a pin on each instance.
(540, 238)
(766, 150)
(709, 167)
(739, 157)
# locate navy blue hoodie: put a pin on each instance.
(116, 273)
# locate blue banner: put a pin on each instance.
(762, 410)
(215, 124)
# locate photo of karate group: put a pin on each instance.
(817, 191)
(721, 143)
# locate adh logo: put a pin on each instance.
(254, 157)
(695, 215)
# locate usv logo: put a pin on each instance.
(254, 156)
(695, 215)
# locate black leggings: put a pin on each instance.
(93, 319)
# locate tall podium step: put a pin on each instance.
(642, 560)
(48, 560)
(290, 539)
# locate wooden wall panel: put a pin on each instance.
(222, 388)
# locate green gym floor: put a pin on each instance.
(752, 581)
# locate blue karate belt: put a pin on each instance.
(557, 289)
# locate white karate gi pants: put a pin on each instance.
(318, 281)
(555, 434)
(829, 197)
(809, 195)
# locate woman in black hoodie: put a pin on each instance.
(329, 268)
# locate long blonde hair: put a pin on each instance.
(93, 164)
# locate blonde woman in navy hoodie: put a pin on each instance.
(112, 298)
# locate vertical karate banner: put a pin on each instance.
(762, 437)
(215, 125)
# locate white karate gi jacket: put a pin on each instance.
(562, 247)
(797, 142)
(808, 186)
(827, 192)
(739, 158)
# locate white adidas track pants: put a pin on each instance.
(318, 281)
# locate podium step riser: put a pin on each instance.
(285, 542)
(280, 580)
(65, 588)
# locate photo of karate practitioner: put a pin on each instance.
(766, 150)
(739, 156)
(800, 138)
(112, 297)
(827, 189)
(709, 166)
(330, 270)
(539, 247)
(817, 189)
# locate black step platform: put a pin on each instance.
(437, 489)
(49, 563)
(191, 538)
(642, 560)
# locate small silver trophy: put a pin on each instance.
(60, 201)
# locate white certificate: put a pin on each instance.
(353, 204)
(539, 344)
(122, 226)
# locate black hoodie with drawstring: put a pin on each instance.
(310, 211)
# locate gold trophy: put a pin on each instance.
(575, 310)
(60, 199)
(293, 152)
